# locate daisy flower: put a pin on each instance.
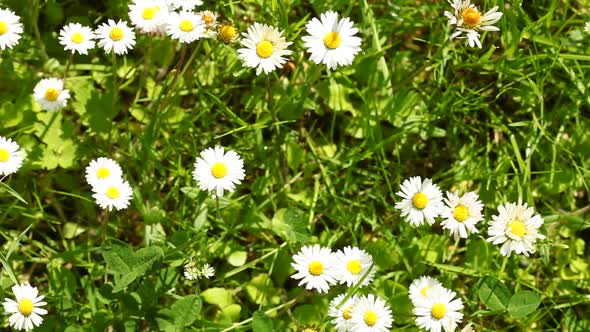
(468, 20)
(102, 170)
(422, 200)
(192, 272)
(341, 315)
(185, 26)
(264, 48)
(115, 36)
(26, 312)
(76, 38)
(421, 286)
(148, 15)
(461, 214)
(439, 310)
(351, 264)
(332, 41)
(216, 171)
(11, 158)
(10, 29)
(370, 314)
(516, 228)
(185, 5)
(113, 193)
(315, 268)
(210, 20)
(228, 33)
(50, 94)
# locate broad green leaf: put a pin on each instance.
(118, 256)
(186, 310)
(261, 290)
(523, 303)
(493, 293)
(219, 296)
(261, 322)
(237, 258)
(290, 224)
(231, 313)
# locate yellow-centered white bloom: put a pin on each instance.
(315, 268)
(115, 37)
(227, 33)
(371, 314)
(113, 193)
(25, 311)
(216, 171)
(210, 20)
(186, 27)
(438, 310)
(421, 286)
(461, 214)
(10, 29)
(148, 15)
(516, 228)
(468, 20)
(76, 38)
(421, 201)
(332, 41)
(351, 265)
(50, 94)
(342, 314)
(11, 158)
(102, 170)
(264, 48)
(185, 5)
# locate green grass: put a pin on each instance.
(325, 153)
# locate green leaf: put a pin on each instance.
(231, 313)
(237, 258)
(219, 296)
(523, 303)
(11, 191)
(493, 293)
(261, 322)
(186, 310)
(118, 256)
(290, 224)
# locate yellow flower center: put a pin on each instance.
(346, 313)
(517, 228)
(77, 37)
(332, 40)
(420, 200)
(148, 13)
(438, 310)
(116, 34)
(113, 192)
(51, 94)
(424, 290)
(264, 49)
(316, 268)
(354, 266)
(208, 19)
(370, 317)
(3, 28)
(186, 26)
(227, 33)
(219, 170)
(103, 173)
(25, 307)
(471, 17)
(460, 213)
(4, 155)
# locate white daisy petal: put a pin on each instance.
(115, 37)
(351, 264)
(421, 286)
(10, 29)
(216, 171)
(102, 170)
(115, 193)
(26, 311)
(315, 267)
(438, 310)
(265, 48)
(468, 20)
(76, 38)
(11, 158)
(461, 214)
(185, 27)
(371, 314)
(50, 94)
(342, 314)
(421, 201)
(148, 15)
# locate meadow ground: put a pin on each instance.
(324, 153)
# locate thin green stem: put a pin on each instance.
(267, 312)
(68, 64)
(114, 104)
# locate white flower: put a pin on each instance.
(516, 228)
(148, 15)
(113, 193)
(185, 5)
(341, 315)
(76, 38)
(102, 170)
(468, 328)
(421, 286)
(216, 171)
(421, 201)
(26, 311)
(115, 36)
(264, 48)
(50, 94)
(351, 264)
(331, 41)
(468, 20)
(207, 271)
(11, 158)
(461, 214)
(371, 314)
(185, 26)
(438, 310)
(210, 20)
(315, 268)
(10, 29)
(191, 272)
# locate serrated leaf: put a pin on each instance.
(261, 322)
(493, 293)
(523, 303)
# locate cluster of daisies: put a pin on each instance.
(105, 177)
(515, 227)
